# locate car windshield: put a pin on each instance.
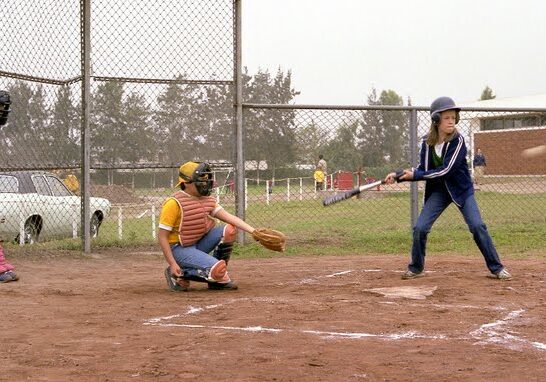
(9, 184)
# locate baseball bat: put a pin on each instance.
(355, 191)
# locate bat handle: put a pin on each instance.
(397, 174)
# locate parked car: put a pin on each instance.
(38, 205)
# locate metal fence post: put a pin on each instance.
(85, 130)
(239, 149)
(414, 152)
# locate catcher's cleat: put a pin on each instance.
(176, 284)
(412, 275)
(223, 286)
(218, 271)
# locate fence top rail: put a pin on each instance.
(385, 107)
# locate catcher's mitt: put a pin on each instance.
(270, 238)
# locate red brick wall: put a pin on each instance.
(502, 150)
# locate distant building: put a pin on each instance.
(503, 135)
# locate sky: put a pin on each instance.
(338, 50)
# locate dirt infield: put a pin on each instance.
(110, 317)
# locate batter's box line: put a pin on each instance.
(498, 333)
(489, 333)
(312, 280)
(323, 334)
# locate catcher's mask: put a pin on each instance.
(4, 107)
(198, 173)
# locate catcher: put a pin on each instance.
(188, 233)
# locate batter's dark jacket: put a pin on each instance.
(453, 174)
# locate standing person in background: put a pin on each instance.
(444, 168)
(319, 177)
(479, 166)
(321, 167)
(6, 269)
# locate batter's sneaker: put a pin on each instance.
(176, 284)
(502, 275)
(407, 275)
(223, 286)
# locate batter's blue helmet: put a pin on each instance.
(441, 104)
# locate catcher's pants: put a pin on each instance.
(195, 260)
(433, 208)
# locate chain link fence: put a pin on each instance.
(362, 145)
(162, 92)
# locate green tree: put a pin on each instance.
(310, 140)
(63, 134)
(383, 136)
(106, 125)
(139, 144)
(22, 137)
(395, 129)
(371, 135)
(19, 128)
(342, 151)
(219, 116)
(487, 93)
(180, 124)
(270, 134)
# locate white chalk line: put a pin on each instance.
(324, 334)
(496, 332)
(316, 279)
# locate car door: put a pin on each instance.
(44, 205)
(54, 213)
(67, 206)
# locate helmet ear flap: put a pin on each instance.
(436, 118)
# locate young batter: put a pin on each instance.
(444, 167)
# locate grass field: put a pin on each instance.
(372, 225)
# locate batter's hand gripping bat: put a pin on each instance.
(355, 191)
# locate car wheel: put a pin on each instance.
(94, 226)
(32, 231)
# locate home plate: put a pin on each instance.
(411, 292)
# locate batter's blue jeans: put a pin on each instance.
(433, 208)
(195, 260)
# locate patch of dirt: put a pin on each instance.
(116, 194)
(109, 316)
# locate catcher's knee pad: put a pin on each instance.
(223, 251)
(230, 234)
